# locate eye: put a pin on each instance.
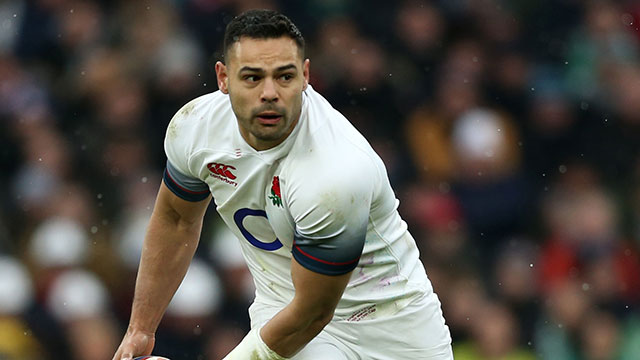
(287, 77)
(251, 78)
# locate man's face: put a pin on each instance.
(264, 79)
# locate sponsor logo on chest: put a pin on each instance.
(222, 172)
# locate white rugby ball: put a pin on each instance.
(150, 358)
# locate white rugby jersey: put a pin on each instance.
(322, 196)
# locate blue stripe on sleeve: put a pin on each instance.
(334, 256)
(184, 187)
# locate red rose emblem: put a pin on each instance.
(275, 186)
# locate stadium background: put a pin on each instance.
(510, 129)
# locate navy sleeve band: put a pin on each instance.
(334, 256)
(184, 187)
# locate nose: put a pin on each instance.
(269, 91)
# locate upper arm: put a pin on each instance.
(182, 196)
(316, 295)
(177, 210)
(331, 212)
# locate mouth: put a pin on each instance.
(269, 118)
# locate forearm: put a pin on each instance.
(287, 333)
(168, 249)
(292, 328)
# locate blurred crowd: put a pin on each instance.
(510, 130)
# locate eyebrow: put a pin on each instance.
(260, 70)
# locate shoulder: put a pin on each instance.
(329, 147)
(191, 128)
(199, 116)
(329, 177)
(195, 110)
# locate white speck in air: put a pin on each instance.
(94, 229)
(627, 19)
(531, 265)
(562, 169)
(144, 179)
(99, 196)
(585, 287)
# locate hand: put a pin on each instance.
(135, 343)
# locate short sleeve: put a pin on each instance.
(331, 215)
(185, 187)
(177, 145)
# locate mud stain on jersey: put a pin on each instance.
(187, 109)
(172, 130)
(331, 203)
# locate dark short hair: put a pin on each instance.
(261, 24)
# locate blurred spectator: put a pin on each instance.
(190, 317)
(489, 182)
(239, 290)
(80, 302)
(437, 225)
(17, 341)
(597, 48)
(585, 243)
(461, 296)
(600, 336)
(515, 272)
(566, 306)
(495, 336)
(419, 34)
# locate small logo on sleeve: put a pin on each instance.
(222, 172)
(275, 196)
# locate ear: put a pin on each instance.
(305, 73)
(223, 77)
